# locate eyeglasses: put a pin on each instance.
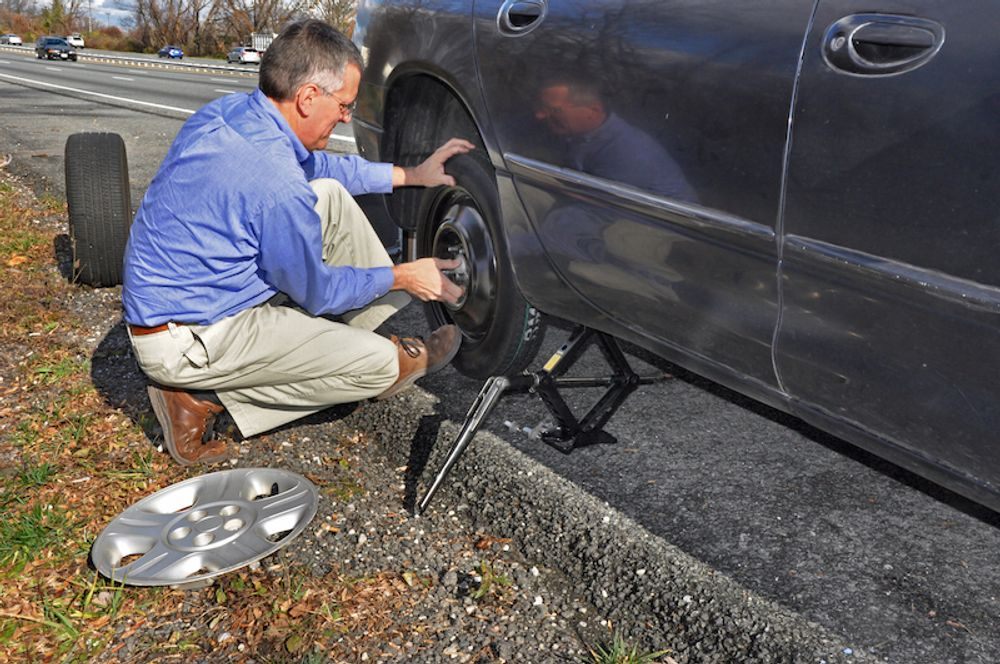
(347, 110)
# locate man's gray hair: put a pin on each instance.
(308, 51)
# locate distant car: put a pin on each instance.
(75, 40)
(11, 38)
(171, 52)
(245, 55)
(54, 48)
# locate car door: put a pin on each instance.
(646, 139)
(891, 285)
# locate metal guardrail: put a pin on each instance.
(159, 63)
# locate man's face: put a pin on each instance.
(565, 117)
(327, 110)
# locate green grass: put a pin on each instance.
(24, 535)
(491, 581)
(25, 435)
(19, 242)
(63, 369)
(31, 476)
(343, 489)
(7, 629)
(140, 470)
(34, 476)
(56, 614)
(52, 202)
(74, 429)
(619, 652)
(111, 606)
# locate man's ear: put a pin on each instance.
(305, 97)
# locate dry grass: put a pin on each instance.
(70, 462)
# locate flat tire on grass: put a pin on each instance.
(100, 206)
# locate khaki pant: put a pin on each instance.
(272, 364)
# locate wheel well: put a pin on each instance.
(421, 113)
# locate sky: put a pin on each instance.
(114, 12)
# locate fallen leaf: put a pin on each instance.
(293, 643)
(957, 625)
(486, 541)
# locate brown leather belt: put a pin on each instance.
(138, 330)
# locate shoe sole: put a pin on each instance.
(417, 375)
(159, 404)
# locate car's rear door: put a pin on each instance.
(891, 282)
(664, 215)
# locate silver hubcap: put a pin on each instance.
(205, 526)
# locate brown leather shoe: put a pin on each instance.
(185, 420)
(418, 358)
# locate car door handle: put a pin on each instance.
(881, 44)
(519, 17)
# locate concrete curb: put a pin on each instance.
(655, 593)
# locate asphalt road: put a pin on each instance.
(893, 563)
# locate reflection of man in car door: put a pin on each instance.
(599, 142)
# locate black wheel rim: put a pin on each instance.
(460, 231)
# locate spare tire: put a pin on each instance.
(501, 331)
(100, 206)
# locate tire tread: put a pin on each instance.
(99, 204)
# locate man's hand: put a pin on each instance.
(431, 173)
(424, 279)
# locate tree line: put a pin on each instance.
(200, 27)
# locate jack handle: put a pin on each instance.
(487, 399)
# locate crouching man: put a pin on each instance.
(253, 282)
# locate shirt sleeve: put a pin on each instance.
(358, 175)
(291, 260)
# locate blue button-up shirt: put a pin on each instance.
(228, 222)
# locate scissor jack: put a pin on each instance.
(567, 432)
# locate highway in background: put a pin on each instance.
(176, 92)
(893, 563)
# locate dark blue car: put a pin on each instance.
(795, 199)
(172, 52)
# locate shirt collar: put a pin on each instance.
(261, 101)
